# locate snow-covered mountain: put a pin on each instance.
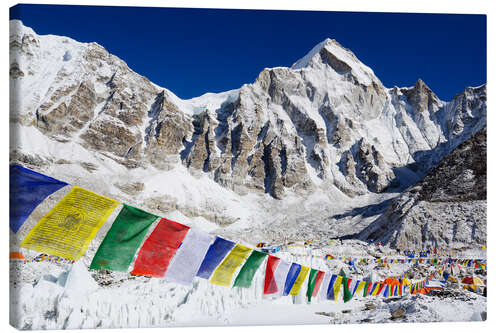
(305, 141)
(445, 208)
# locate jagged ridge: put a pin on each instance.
(326, 120)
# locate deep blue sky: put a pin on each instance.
(193, 51)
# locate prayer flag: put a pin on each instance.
(280, 275)
(27, 189)
(224, 273)
(380, 289)
(247, 272)
(159, 248)
(352, 286)
(122, 240)
(215, 255)
(292, 275)
(323, 292)
(270, 286)
(189, 256)
(311, 283)
(67, 230)
(347, 294)
(317, 284)
(360, 287)
(300, 280)
(367, 290)
(336, 287)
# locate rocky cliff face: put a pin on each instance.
(446, 208)
(325, 121)
(326, 125)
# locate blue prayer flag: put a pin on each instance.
(330, 295)
(27, 190)
(292, 275)
(215, 254)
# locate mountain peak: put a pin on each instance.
(420, 85)
(333, 55)
(306, 60)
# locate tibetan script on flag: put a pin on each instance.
(67, 230)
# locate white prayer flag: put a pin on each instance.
(324, 286)
(189, 256)
(280, 275)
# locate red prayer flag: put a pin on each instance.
(368, 288)
(317, 284)
(380, 289)
(270, 286)
(161, 246)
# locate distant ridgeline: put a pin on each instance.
(176, 252)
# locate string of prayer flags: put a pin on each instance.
(176, 252)
(27, 189)
(247, 272)
(122, 240)
(187, 261)
(159, 248)
(224, 273)
(215, 254)
(300, 280)
(68, 228)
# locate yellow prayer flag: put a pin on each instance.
(224, 273)
(336, 287)
(300, 280)
(67, 230)
(360, 288)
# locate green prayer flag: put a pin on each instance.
(310, 284)
(122, 240)
(247, 272)
(365, 290)
(347, 292)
